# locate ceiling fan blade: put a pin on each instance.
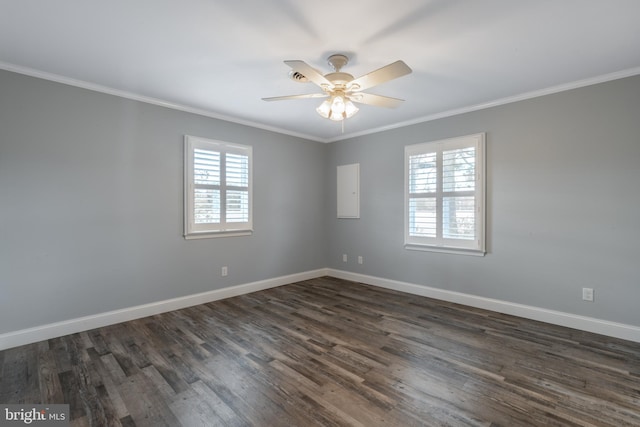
(377, 100)
(310, 73)
(381, 75)
(305, 96)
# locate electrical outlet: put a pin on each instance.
(360, 260)
(225, 271)
(344, 257)
(587, 294)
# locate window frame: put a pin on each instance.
(222, 228)
(475, 246)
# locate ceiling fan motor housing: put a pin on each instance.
(339, 78)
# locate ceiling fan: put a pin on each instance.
(342, 89)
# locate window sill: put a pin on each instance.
(217, 234)
(440, 249)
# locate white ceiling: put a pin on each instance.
(220, 57)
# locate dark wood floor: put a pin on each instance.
(328, 352)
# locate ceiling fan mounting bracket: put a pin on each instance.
(337, 61)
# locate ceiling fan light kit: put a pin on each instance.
(342, 89)
(337, 109)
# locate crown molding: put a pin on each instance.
(148, 100)
(211, 114)
(495, 103)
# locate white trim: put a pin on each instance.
(71, 326)
(53, 330)
(148, 100)
(583, 323)
(444, 249)
(495, 103)
(438, 242)
(155, 101)
(217, 234)
(222, 228)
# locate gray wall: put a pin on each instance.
(563, 204)
(91, 205)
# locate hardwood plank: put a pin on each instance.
(50, 388)
(20, 373)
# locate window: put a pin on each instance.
(444, 195)
(217, 188)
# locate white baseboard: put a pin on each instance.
(53, 330)
(583, 323)
(71, 326)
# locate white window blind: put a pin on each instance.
(444, 196)
(217, 188)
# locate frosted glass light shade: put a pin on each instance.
(324, 109)
(337, 108)
(350, 109)
(335, 116)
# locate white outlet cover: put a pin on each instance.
(587, 294)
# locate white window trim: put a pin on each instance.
(222, 229)
(474, 247)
